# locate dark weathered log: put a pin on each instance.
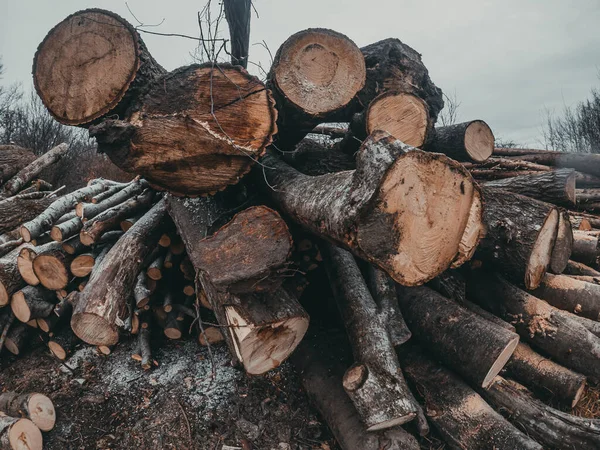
(374, 382)
(29, 172)
(363, 209)
(553, 428)
(459, 414)
(491, 174)
(586, 248)
(19, 434)
(220, 120)
(100, 308)
(34, 228)
(60, 313)
(507, 165)
(467, 141)
(555, 332)
(32, 302)
(577, 268)
(472, 346)
(78, 80)
(51, 267)
(10, 279)
(394, 66)
(321, 372)
(36, 407)
(521, 233)
(582, 162)
(545, 376)
(563, 246)
(557, 186)
(111, 218)
(173, 328)
(26, 257)
(63, 344)
(73, 245)
(21, 208)
(12, 159)
(315, 76)
(17, 338)
(575, 296)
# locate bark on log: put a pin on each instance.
(60, 313)
(389, 190)
(563, 246)
(586, 248)
(315, 76)
(521, 233)
(555, 332)
(394, 66)
(29, 172)
(10, 279)
(553, 428)
(32, 302)
(556, 187)
(21, 208)
(582, 162)
(197, 110)
(577, 268)
(545, 376)
(12, 159)
(321, 373)
(569, 294)
(17, 338)
(464, 341)
(90, 210)
(459, 414)
(92, 65)
(374, 382)
(100, 308)
(52, 268)
(19, 434)
(63, 344)
(467, 141)
(36, 407)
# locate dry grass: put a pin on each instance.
(589, 404)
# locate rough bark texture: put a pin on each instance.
(21, 208)
(553, 428)
(92, 65)
(12, 159)
(363, 209)
(315, 76)
(394, 66)
(32, 302)
(545, 376)
(575, 296)
(459, 414)
(219, 120)
(10, 279)
(99, 310)
(556, 333)
(586, 248)
(556, 187)
(521, 233)
(587, 163)
(464, 341)
(563, 246)
(374, 382)
(467, 141)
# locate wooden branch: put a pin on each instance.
(577, 268)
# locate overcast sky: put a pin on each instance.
(507, 60)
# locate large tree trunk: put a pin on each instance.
(575, 296)
(316, 74)
(462, 417)
(468, 141)
(393, 187)
(103, 302)
(556, 186)
(36, 407)
(556, 333)
(553, 428)
(21, 208)
(464, 341)
(198, 111)
(92, 65)
(545, 376)
(521, 233)
(12, 159)
(19, 434)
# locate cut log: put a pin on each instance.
(521, 233)
(36, 407)
(393, 187)
(210, 336)
(10, 278)
(32, 302)
(569, 294)
(545, 376)
(17, 338)
(21, 208)
(394, 66)
(60, 313)
(555, 332)
(12, 159)
(90, 65)
(586, 248)
(556, 187)
(563, 246)
(63, 345)
(19, 434)
(460, 415)
(464, 341)
(100, 308)
(374, 382)
(577, 268)
(29, 172)
(89, 210)
(315, 75)
(52, 268)
(553, 428)
(82, 265)
(468, 141)
(321, 373)
(582, 162)
(26, 257)
(220, 120)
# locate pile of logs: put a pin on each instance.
(466, 277)
(22, 419)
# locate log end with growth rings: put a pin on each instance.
(541, 254)
(41, 411)
(94, 329)
(479, 140)
(20, 434)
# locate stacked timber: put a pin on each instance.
(469, 303)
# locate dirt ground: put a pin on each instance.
(190, 401)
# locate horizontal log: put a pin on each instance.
(16, 431)
(467, 141)
(575, 296)
(36, 407)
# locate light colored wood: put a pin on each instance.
(19, 434)
(479, 140)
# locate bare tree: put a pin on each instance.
(449, 114)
